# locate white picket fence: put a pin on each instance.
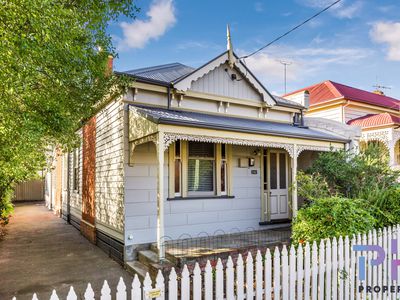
(327, 271)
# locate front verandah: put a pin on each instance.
(222, 244)
(274, 182)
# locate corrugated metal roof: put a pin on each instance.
(193, 119)
(163, 73)
(328, 90)
(375, 120)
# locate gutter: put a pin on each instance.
(231, 128)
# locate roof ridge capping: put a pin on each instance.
(157, 67)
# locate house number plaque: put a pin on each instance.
(154, 293)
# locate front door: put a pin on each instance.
(276, 183)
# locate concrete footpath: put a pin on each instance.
(41, 252)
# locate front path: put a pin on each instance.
(41, 252)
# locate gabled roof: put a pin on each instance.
(184, 82)
(375, 120)
(163, 73)
(329, 90)
(202, 120)
(180, 77)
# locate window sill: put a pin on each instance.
(200, 198)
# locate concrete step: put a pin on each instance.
(147, 257)
(168, 256)
(136, 267)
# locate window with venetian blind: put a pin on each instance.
(199, 169)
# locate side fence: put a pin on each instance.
(329, 270)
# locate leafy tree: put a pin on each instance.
(53, 57)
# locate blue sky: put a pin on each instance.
(355, 43)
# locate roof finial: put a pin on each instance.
(231, 59)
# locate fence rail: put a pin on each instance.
(329, 270)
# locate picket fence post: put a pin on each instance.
(300, 272)
(307, 271)
(208, 282)
(328, 271)
(105, 291)
(240, 278)
(196, 283)
(89, 294)
(277, 273)
(136, 292)
(185, 283)
(173, 285)
(285, 274)
(230, 280)
(71, 294)
(268, 275)
(314, 255)
(219, 282)
(259, 276)
(321, 270)
(249, 276)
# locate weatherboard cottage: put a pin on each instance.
(187, 151)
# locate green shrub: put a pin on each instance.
(386, 203)
(311, 186)
(332, 217)
(6, 207)
(351, 175)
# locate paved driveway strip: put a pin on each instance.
(41, 252)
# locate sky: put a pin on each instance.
(357, 42)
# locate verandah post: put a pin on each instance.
(294, 182)
(160, 196)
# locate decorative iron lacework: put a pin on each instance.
(395, 137)
(145, 139)
(382, 136)
(301, 148)
(170, 138)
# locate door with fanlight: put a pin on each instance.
(276, 183)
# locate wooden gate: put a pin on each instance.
(32, 190)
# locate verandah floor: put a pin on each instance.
(222, 244)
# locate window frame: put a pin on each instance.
(75, 171)
(217, 168)
(205, 158)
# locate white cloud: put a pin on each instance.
(161, 17)
(340, 10)
(348, 12)
(388, 33)
(305, 62)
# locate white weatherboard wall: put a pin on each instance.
(219, 82)
(110, 169)
(331, 113)
(353, 112)
(188, 216)
(76, 196)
